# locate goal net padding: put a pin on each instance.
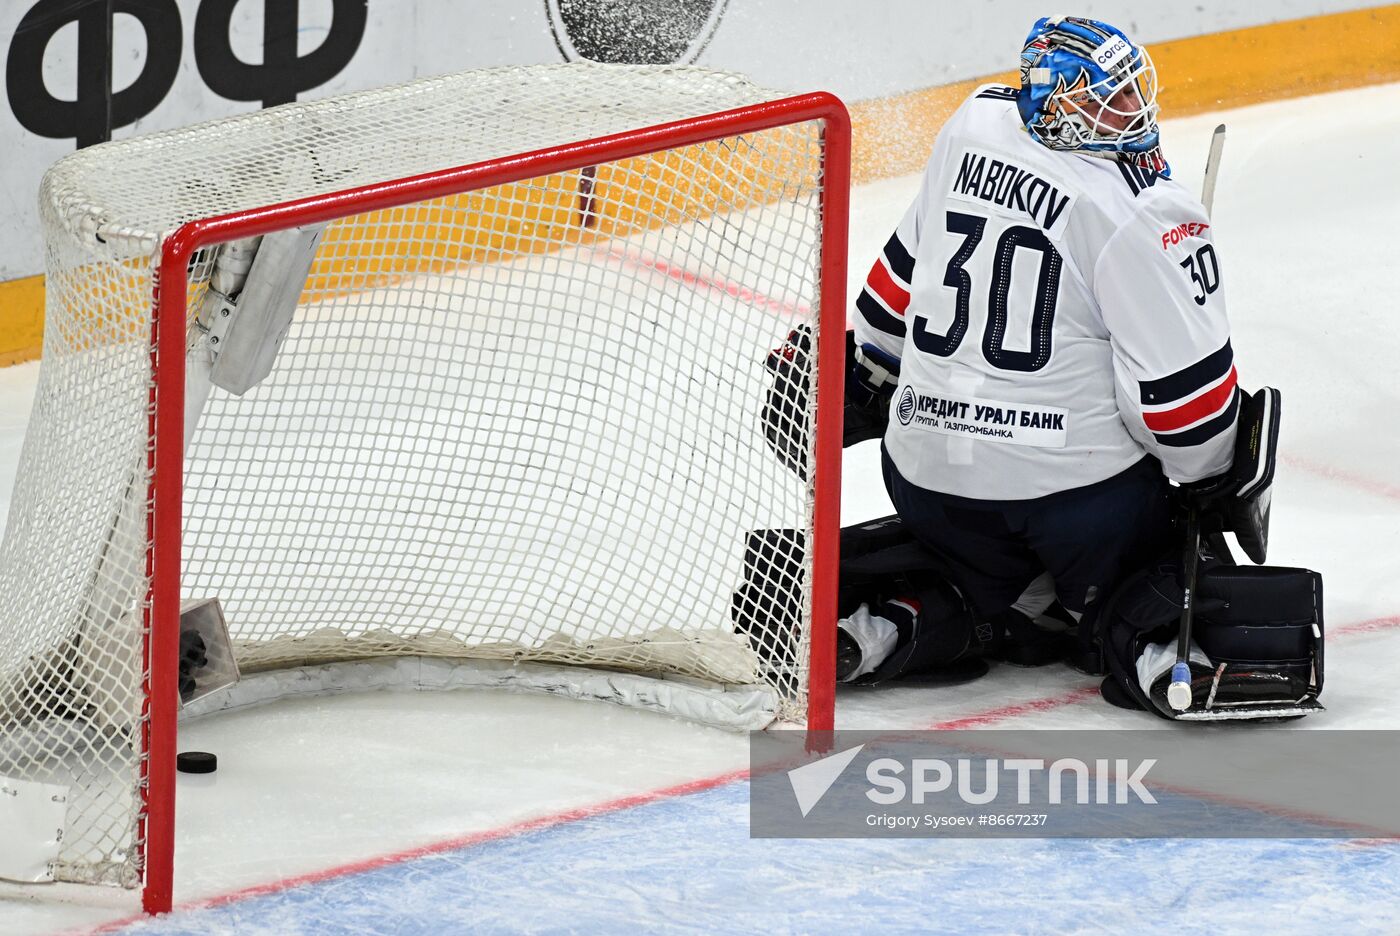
(513, 415)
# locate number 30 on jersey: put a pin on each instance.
(997, 293)
(1204, 272)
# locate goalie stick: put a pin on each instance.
(1179, 692)
(1217, 144)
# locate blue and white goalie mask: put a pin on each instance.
(1086, 87)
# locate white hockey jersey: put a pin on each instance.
(1056, 316)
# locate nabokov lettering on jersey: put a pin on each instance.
(1010, 186)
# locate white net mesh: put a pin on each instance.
(524, 423)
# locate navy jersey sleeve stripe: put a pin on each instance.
(1205, 431)
(901, 264)
(877, 315)
(1189, 380)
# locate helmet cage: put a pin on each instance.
(1086, 111)
(1070, 101)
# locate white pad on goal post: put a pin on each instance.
(32, 821)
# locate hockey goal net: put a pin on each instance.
(516, 414)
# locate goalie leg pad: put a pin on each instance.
(883, 571)
(768, 605)
(1258, 638)
(934, 630)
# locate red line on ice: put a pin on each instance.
(1034, 706)
(1374, 625)
(1348, 478)
(638, 260)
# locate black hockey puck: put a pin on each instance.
(196, 762)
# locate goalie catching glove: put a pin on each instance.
(871, 377)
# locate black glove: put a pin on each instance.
(194, 656)
(785, 412)
(871, 377)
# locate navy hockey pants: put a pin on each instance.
(1087, 538)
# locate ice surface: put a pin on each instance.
(1304, 221)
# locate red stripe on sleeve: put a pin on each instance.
(883, 285)
(1192, 410)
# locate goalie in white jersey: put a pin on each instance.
(1048, 323)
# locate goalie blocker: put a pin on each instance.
(1257, 650)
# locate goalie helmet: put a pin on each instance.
(1086, 87)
